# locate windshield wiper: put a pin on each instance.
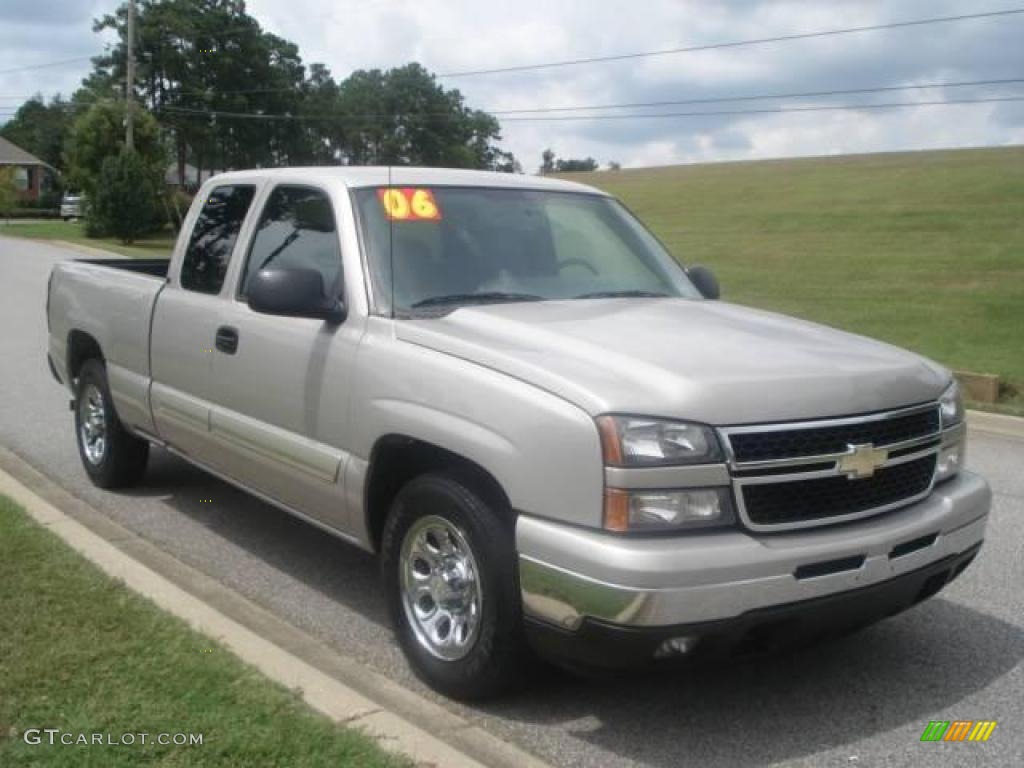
(623, 295)
(487, 297)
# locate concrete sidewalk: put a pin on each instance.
(996, 424)
(348, 693)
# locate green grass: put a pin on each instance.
(82, 653)
(148, 246)
(923, 249)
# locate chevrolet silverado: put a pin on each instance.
(555, 436)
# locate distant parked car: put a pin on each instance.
(71, 206)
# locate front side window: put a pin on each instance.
(213, 238)
(467, 245)
(296, 230)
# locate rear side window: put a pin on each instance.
(213, 238)
(296, 229)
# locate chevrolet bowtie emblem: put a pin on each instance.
(861, 461)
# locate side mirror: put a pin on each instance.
(294, 293)
(705, 280)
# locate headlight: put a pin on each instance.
(662, 510)
(951, 406)
(630, 441)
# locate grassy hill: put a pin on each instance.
(922, 249)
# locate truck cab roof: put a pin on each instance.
(378, 176)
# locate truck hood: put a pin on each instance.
(706, 361)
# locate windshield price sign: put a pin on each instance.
(409, 204)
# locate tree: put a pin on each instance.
(505, 162)
(572, 166)
(547, 164)
(125, 201)
(40, 128)
(199, 57)
(8, 190)
(614, 165)
(402, 116)
(99, 133)
(550, 163)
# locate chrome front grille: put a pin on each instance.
(834, 438)
(805, 474)
(826, 497)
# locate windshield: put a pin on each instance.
(469, 245)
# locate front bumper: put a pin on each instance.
(574, 579)
(597, 644)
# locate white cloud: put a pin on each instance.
(465, 34)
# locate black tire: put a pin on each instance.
(122, 461)
(497, 657)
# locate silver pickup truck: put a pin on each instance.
(553, 434)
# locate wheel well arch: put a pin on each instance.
(81, 347)
(396, 459)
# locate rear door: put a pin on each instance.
(185, 322)
(280, 407)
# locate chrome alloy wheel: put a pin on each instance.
(92, 417)
(441, 591)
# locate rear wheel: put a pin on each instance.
(449, 573)
(111, 456)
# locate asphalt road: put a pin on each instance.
(862, 701)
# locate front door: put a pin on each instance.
(281, 396)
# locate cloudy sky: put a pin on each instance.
(450, 36)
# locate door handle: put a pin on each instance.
(227, 339)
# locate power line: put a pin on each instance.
(560, 118)
(517, 114)
(772, 111)
(581, 107)
(673, 102)
(46, 64)
(731, 44)
(642, 54)
(759, 97)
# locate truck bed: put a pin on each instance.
(107, 303)
(153, 267)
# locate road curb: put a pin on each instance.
(996, 424)
(338, 687)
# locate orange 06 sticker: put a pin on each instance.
(408, 204)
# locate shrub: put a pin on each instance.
(50, 198)
(8, 195)
(125, 203)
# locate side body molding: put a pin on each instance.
(319, 461)
(297, 472)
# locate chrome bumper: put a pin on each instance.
(568, 574)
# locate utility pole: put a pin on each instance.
(129, 86)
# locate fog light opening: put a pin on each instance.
(676, 646)
(949, 461)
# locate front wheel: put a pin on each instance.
(449, 573)
(112, 457)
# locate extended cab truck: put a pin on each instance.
(552, 433)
